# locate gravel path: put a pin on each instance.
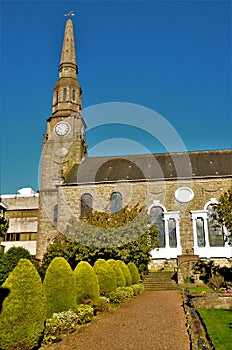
(154, 320)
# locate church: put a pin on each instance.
(177, 189)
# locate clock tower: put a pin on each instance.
(64, 144)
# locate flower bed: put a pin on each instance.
(197, 333)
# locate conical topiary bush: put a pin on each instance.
(134, 272)
(23, 310)
(126, 272)
(59, 287)
(106, 277)
(119, 275)
(87, 286)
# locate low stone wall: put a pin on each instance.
(160, 264)
(211, 301)
(199, 338)
(197, 333)
(187, 263)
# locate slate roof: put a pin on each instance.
(148, 167)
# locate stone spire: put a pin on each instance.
(68, 56)
(67, 91)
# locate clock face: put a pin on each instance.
(62, 129)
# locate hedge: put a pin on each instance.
(58, 287)
(134, 272)
(87, 286)
(119, 275)
(23, 310)
(106, 277)
(126, 273)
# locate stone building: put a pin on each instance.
(178, 189)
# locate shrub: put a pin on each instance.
(23, 310)
(10, 259)
(58, 287)
(119, 275)
(117, 296)
(129, 293)
(86, 283)
(188, 279)
(121, 294)
(84, 313)
(137, 288)
(105, 275)
(65, 322)
(126, 272)
(216, 282)
(134, 272)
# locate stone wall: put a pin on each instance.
(186, 268)
(212, 300)
(143, 193)
(47, 230)
(160, 264)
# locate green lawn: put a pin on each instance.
(219, 327)
(201, 289)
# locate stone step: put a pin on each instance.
(160, 281)
(160, 286)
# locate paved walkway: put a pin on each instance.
(154, 320)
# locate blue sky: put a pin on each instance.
(173, 57)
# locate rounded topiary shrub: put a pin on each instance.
(105, 275)
(134, 272)
(126, 272)
(10, 259)
(119, 275)
(87, 286)
(23, 310)
(137, 288)
(58, 287)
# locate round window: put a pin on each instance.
(184, 194)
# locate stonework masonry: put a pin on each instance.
(143, 193)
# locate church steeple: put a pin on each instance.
(68, 56)
(67, 91)
(64, 144)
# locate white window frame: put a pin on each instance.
(167, 252)
(207, 251)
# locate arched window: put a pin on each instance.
(206, 232)
(64, 94)
(55, 214)
(157, 216)
(216, 236)
(115, 202)
(86, 203)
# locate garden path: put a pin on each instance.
(154, 320)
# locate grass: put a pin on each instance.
(201, 289)
(218, 323)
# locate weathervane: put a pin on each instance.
(70, 14)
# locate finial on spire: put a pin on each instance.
(70, 14)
